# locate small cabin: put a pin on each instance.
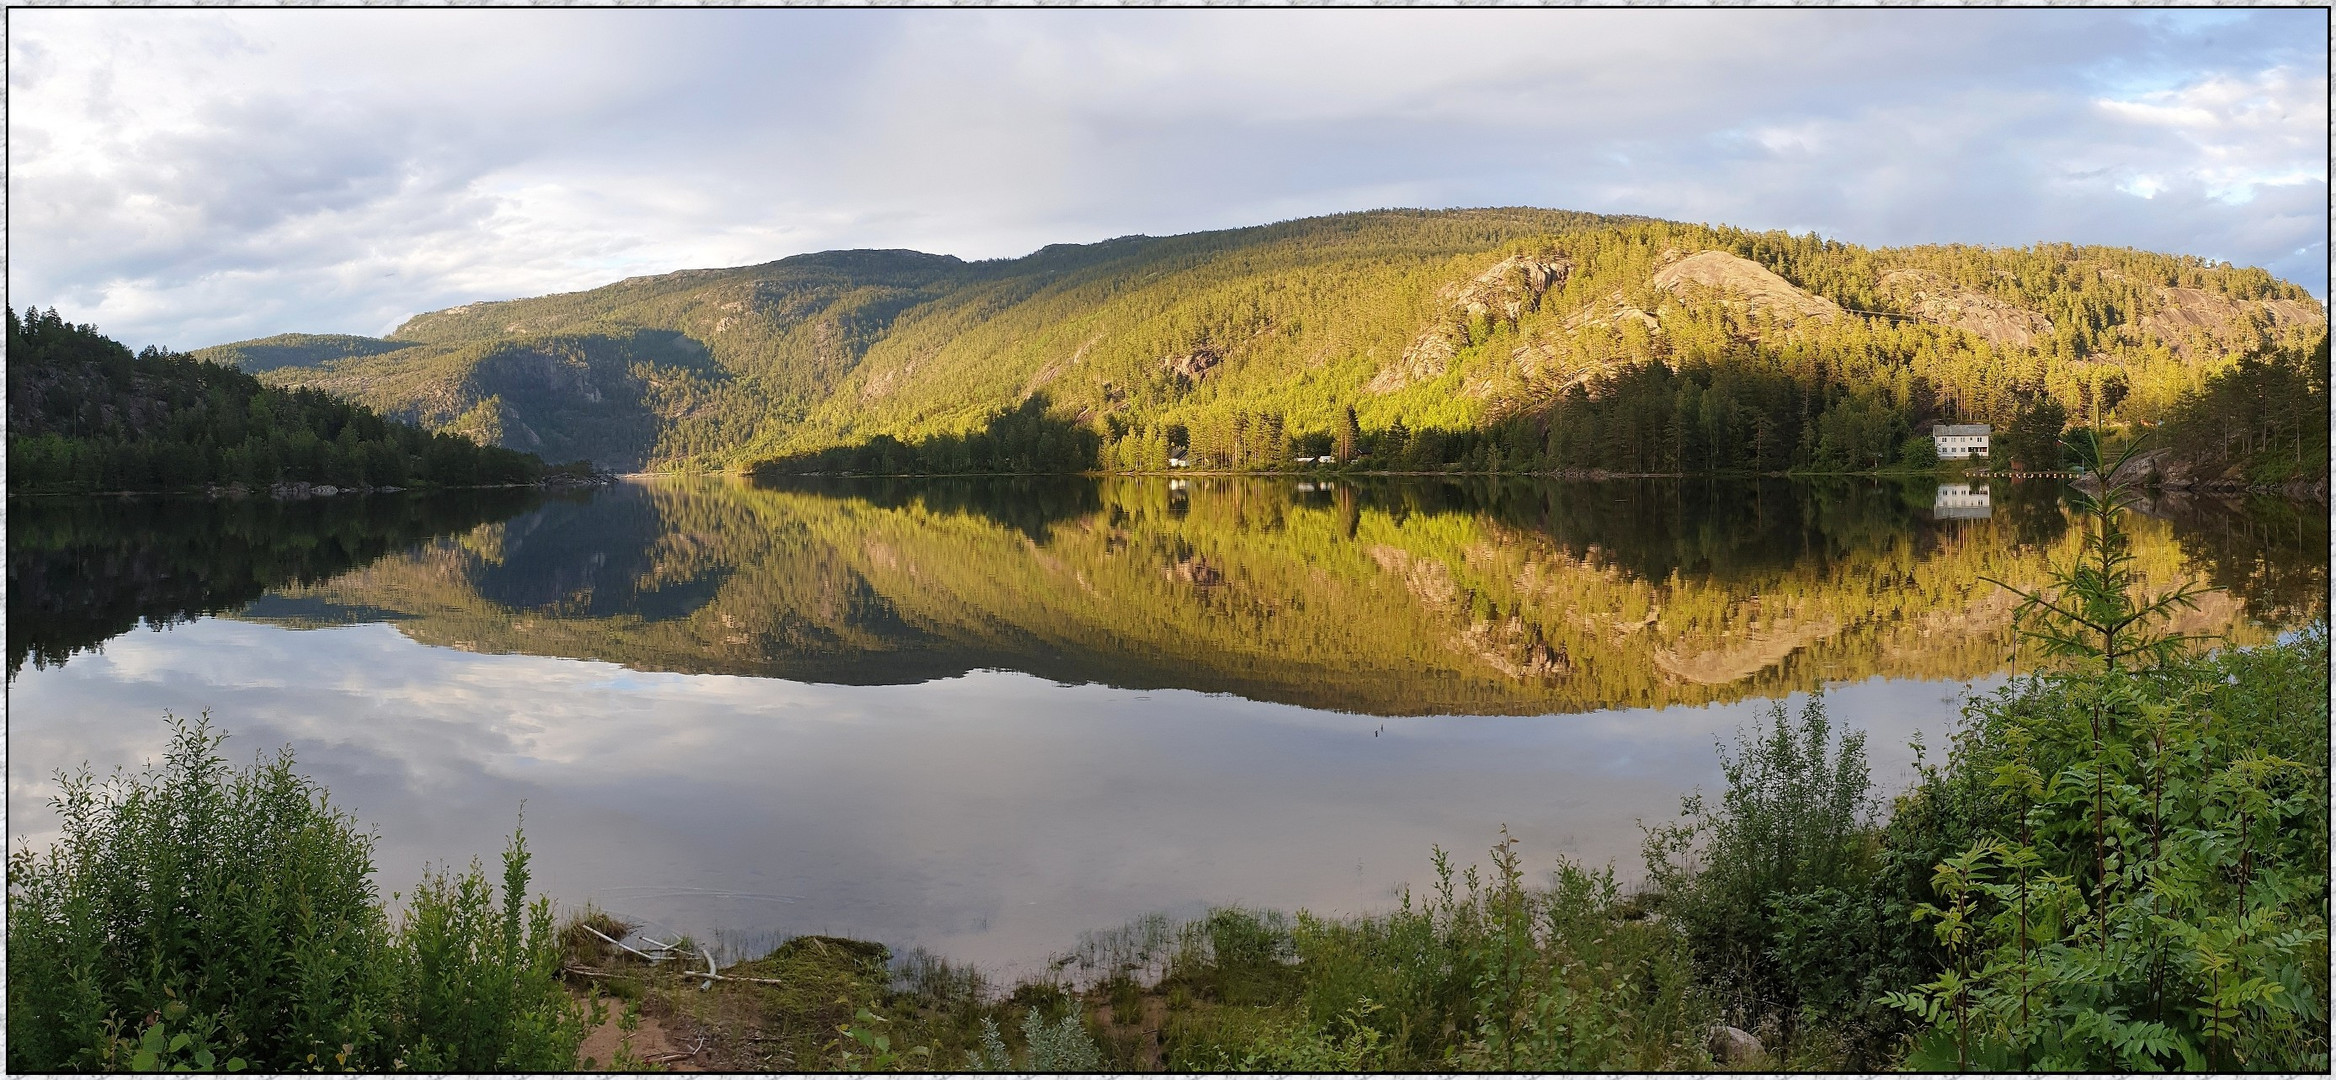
(1960, 440)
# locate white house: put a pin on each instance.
(1960, 440)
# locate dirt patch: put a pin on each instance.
(1138, 1036)
(651, 1043)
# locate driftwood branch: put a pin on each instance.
(625, 947)
(589, 973)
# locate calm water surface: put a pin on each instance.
(982, 717)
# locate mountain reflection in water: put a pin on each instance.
(884, 779)
(1389, 598)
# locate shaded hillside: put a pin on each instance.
(1411, 598)
(85, 414)
(295, 350)
(1484, 338)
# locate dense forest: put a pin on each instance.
(85, 414)
(1483, 340)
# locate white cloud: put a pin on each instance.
(2239, 133)
(186, 177)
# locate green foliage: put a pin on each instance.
(1479, 974)
(477, 977)
(84, 415)
(2032, 439)
(1060, 1047)
(2149, 890)
(1919, 452)
(1024, 439)
(867, 1047)
(242, 898)
(2097, 607)
(2264, 419)
(295, 350)
(1750, 880)
(207, 917)
(157, 1050)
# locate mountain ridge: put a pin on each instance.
(1202, 338)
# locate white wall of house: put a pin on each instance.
(1961, 446)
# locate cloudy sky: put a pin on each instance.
(191, 177)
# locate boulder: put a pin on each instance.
(1735, 1046)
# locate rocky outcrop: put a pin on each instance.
(2168, 476)
(1739, 280)
(1505, 291)
(1929, 296)
(2195, 320)
(1193, 366)
(1611, 310)
(2141, 469)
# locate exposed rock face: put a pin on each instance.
(1611, 309)
(1932, 297)
(1506, 290)
(1194, 365)
(1742, 280)
(2192, 317)
(1509, 288)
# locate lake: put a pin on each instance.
(984, 716)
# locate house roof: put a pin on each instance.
(1959, 429)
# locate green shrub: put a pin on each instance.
(237, 897)
(1759, 880)
(478, 977)
(196, 912)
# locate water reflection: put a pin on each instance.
(990, 816)
(1959, 501)
(83, 570)
(1388, 599)
(983, 716)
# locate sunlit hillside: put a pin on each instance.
(1447, 320)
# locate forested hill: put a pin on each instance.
(86, 414)
(1503, 338)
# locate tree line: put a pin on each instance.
(85, 414)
